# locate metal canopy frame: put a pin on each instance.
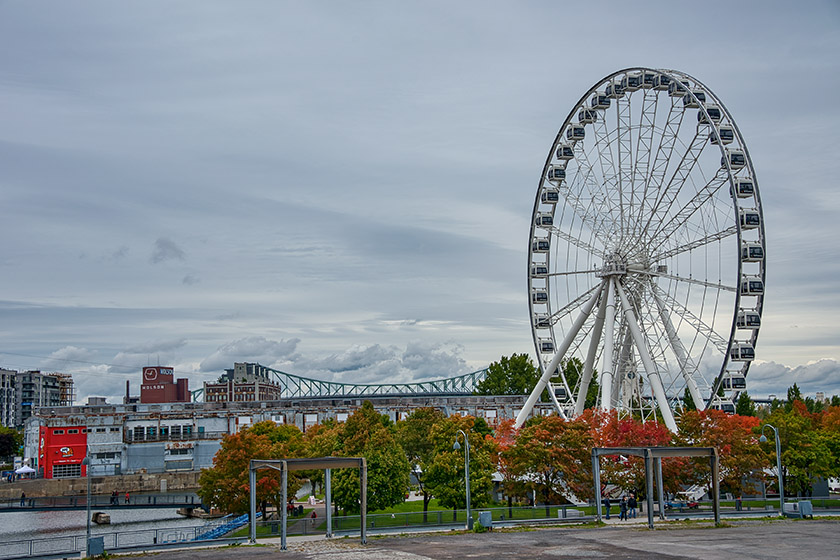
(319, 463)
(655, 455)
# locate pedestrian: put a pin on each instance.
(314, 515)
(126, 497)
(22, 498)
(622, 506)
(606, 504)
(631, 506)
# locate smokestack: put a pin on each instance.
(127, 398)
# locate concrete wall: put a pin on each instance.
(101, 485)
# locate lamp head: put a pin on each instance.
(456, 446)
(763, 438)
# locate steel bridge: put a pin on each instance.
(296, 386)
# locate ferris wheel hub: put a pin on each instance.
(614, 265)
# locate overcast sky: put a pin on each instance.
(344, 189)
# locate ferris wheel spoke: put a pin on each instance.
(714, 285)
(687, 365)
(577, 242)
(667, 141)
(572, 272)
(700, 198)
(692, 320)
(659, 212)
(644, 147)
(574, 304)
(697, 243)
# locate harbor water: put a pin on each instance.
(26, 525)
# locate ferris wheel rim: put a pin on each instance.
(581, 104)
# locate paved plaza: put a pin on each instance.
(755, 539)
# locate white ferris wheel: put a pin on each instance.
(647, 252)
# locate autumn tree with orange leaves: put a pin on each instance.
(551, 456)
(735, 439)
(225, 486)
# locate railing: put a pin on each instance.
(80, 502)
(192, 436)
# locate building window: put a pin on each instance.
(183, 451)
(100, 430)
(341, 417)
(73, 431)
(187, 431)
(115, 430)
(58, 432)
(67, 471)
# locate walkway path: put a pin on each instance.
(746, 540)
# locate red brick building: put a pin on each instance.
(159, 386)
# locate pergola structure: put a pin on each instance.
(325, 463)
(654, 455)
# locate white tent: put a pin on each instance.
(25, 469)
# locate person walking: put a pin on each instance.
(22, 499)
(127, 497)
(622, 506)
(631, 506)
(606, 503)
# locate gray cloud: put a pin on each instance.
(352, 187)
(165, 250)
(250, 349)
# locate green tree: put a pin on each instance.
(373, 436)
(688, 400)
(414, 434)
(745, 405)
(572, 370)
(445, 476)
(516, 375)
(10, 442)
(808, 450)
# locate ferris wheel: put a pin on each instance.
(647, 252)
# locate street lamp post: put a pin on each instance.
(86, 463)
(456, 446)
(763, 439)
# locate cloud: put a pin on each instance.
(766, 378)
(166, 250)
(190, 279)
(68, 358)
(376, 364)
(250, 349)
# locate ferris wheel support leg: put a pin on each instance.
(686, 365)
(561, 351)
(619, 398)
(650, 367)
(588, 366)
(609, 339)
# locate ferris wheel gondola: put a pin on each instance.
(647, 251)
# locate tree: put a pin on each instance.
(745, 406)
(553, 456)
(516, 375)
(445, 476)
(371, 435)
(808, 450)
(10, 442)
(414, 434)
(735, 439)
(688, 400)
(609, 430)
(226, 485)
(572, 370)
